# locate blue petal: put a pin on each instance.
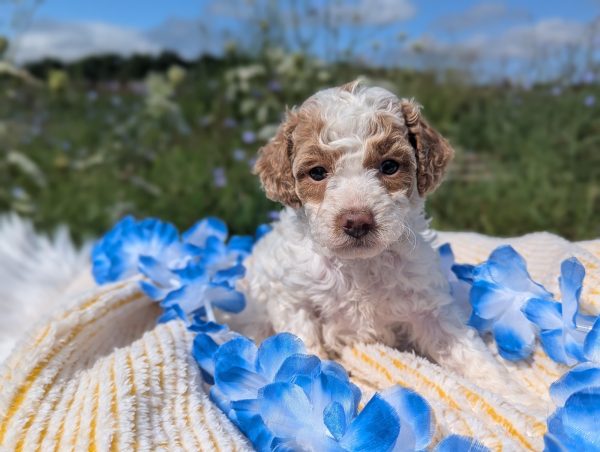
(235, 369)
(580, 418)
(507, 268)
(203, 351)
(229, 275)
(241, 243)
(464, 272)
(261, 231)
(374, 429)
(285, 408)
(156, 271)
(238, 352)
(275, 350)
(554, 346)
(189, 298)
(571, 282)
(208, 227)
(490, 300)
(327, 389)
(546, 314)
(481, 325)
(334, 418)
(153, 292)
(416, 427)
(225, 299)
(207, 327)
(446, 257)
(457, 443)
(256, 431)
(172, 313)
(297, 366)
(334, 369)
(192, 272)
(583, 376)
(573, 341)
(514, 336)
(591, 345)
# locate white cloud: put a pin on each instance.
(520, 44)
(71, 40)
(482, 15)
(373, 12)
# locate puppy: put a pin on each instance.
(349, 260)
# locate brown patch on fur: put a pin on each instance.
(274, 164)
(388, 142)
(432, 151)
(310, 153)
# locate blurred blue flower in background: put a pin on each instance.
(501, 286)
(589, 100)
(248, 137)
(229, 123)
(239, 155)
(219, 177)
(274, 86)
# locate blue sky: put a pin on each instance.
(506, 30)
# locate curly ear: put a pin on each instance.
(432, 151)
(274, 165)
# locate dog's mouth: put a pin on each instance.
(361, 247)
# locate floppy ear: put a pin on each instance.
(274, 165)
(432, 151)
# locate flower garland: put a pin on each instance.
(516, 310)
(283, 398)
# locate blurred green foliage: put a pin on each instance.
(179, 143)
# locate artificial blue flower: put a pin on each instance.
(501, 286)
(558, 322)
(457, 443)
(200, 291)
(574, 425)
(284, 399)
(116, 255)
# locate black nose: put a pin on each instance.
(357, 224)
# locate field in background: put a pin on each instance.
(178, 143)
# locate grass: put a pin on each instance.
(82, 154)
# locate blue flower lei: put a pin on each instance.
(517, 311)
(283, 398)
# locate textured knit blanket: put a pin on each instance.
(102, 375)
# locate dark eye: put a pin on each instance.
(318, 173)
(389, 167)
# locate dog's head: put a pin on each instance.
(357, 160)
